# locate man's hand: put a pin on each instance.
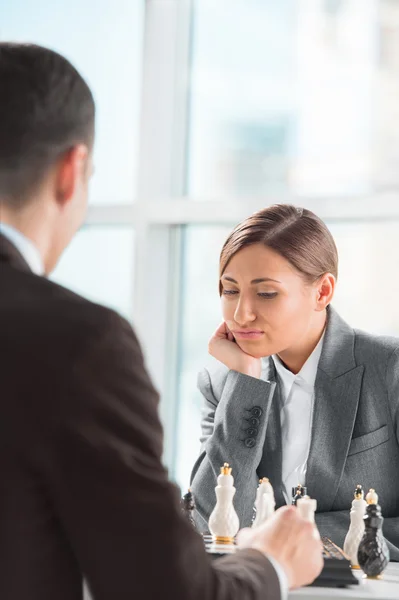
(293, 542)
(223, 347)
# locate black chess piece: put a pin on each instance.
(188, 506)
(373, 554)
(298, 492)
(359, 491)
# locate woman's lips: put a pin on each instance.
(248, 334)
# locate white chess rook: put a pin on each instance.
(356, 528)
(223, 522)
(264, 503)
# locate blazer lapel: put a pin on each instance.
(271, 462)
(337, 392)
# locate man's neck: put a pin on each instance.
(25, 247)
(31, 227)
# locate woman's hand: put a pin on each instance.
(223, 347)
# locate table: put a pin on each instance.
(386, 588)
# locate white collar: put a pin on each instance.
(306, 376)
(25, 246)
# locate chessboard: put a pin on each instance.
(336, 571)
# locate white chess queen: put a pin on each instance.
(295, 394)
(224, 522)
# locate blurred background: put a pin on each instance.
(208, 110)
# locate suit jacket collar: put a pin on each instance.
(337, 393)
(337, 356)
(11, 256)
(271, 462)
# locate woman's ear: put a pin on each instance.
(325, 287)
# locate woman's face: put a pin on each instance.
(266, 303)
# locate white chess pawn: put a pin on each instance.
(356, 528)
(264, 503)
(223, 522)
(307, 507)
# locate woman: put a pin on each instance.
(298, 395)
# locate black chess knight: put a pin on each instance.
(373, 553)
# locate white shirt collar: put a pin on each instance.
(306, 376)
(25, 246)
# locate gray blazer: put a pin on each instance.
(355, 432)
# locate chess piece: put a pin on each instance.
(298, 492)
(356, 529)
(373, 553)
(264, 503)
(307, 507)
(188, 506)
(223, 522)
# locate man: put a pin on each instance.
(83, 493)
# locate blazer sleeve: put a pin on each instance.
(233, 431)
(99, 455)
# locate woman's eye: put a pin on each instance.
(230, 292)
(267, 295)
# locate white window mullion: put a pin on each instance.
(161, 175)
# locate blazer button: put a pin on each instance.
(250, 442)
(252, 432)
(256, 411)
(254, 422)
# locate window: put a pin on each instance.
(104, 41)
(296, 97)
(98, 264)
(242, 104)
(289, 102)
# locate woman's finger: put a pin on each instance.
(222, 331)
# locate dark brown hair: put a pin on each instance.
(297, 234)
(46, 108)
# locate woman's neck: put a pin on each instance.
(295, 357)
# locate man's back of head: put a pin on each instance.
(46, 138)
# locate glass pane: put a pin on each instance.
(294, 96)
(104, 41)
(367, 285)
(98, 264)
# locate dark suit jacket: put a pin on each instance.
(355, 432)
(83, 492)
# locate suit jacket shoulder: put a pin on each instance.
(377, 353)
(50, 312)
(369, 347)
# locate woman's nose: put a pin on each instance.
(244, 312)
